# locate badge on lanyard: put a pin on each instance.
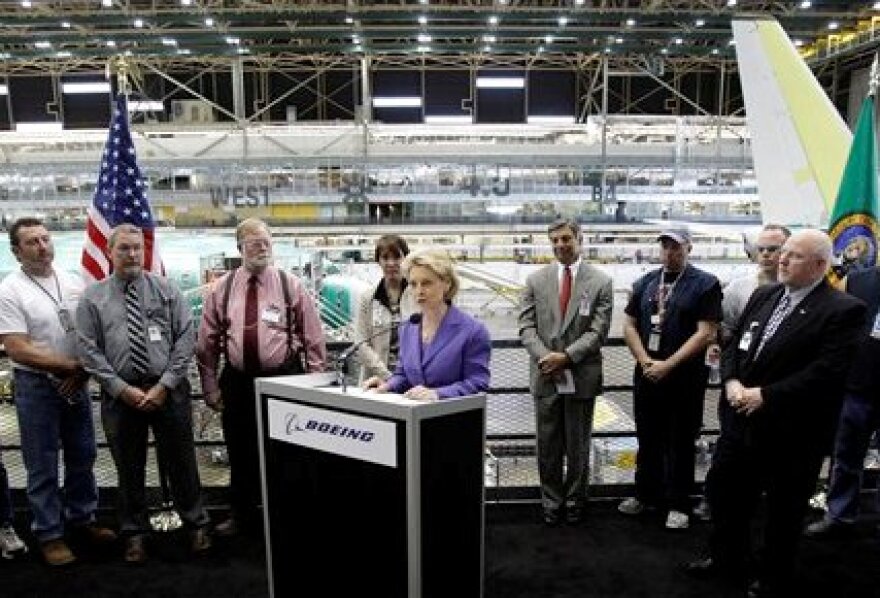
(154, 333)
(66, 320)
(585, 306)
(272, 315)
(745, 340)
(654, 340)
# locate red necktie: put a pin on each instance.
(565, 291)
(251, 344)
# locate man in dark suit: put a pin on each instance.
(564, 321)
(783, 372)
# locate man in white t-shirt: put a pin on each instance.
(54, 410)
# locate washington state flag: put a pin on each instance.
(853, 223)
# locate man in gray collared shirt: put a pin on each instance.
(152, 392)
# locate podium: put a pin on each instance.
(370, 494)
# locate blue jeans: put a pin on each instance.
(48, 422)
(859, 418)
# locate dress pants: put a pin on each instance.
(748, 461)
(564, 426)
(668, 417)
(126, 429)
(52, 426)
(859, 419)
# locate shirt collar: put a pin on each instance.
(560, 270)
(798, 295)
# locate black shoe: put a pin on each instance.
(702, 568)
(827, 528)
(552, 517)
(574, 514)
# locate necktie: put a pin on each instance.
(565, 291)
(138, 356)
(251, 343)
(775, 320)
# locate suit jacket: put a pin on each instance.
(372, 316)
(802, 368)
(455, 363)
(581, 334)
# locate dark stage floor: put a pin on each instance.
(608, 555)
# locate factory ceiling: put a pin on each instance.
(62, 34)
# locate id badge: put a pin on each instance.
(745, 340)
(66, 320)
(875, 329)
(655, 320)
(154, 333)
(654, 341)
(272, 315)
(585, 307)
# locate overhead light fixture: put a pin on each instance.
(83, 87)
(563, 21)
(42, 45)
(26, 3)
(664, 50)
(699, 23)
(608, 50)
(63, 54)
(233, 41)
(423, 1)
(678, 41)
(243, 51)
(138, 23)
(548, 39)
(39, 127)
(209, 22)
(106, 3)
(358, 48)
(618, 40)
(423, 20)
(65, 24)
(167, 41)
(186, 2)
(490, 39)
(449, 119)
(798, 43)
(806, 4)
(146, 106)
(501, 82)
(423, 48)
(833, 25)
(877, 6)
(630, 22)
(184, 51)
(540, 49)
(397, 102)
(715, 51)
(424, 38)
(731, 3)
(110, 43)
(487, 48)
(550, 120)
(731, 42)
(579, 2)
(4, 90)
(349, 20)
(493, 21)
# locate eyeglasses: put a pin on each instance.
(257, 243)
(767, 248)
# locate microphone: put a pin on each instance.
(340, 362)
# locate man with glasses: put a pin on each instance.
(264, 323)
(782, 371)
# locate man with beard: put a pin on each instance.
(564, 321)
(264, 323)
(136, 338)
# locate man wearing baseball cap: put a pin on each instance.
(671, 317)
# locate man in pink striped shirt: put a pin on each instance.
(261, 329)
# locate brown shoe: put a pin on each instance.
(134, 550)
(57, 553)
(97, 535)
(200, 541)
(226, 529)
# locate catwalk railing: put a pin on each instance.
(511, 470)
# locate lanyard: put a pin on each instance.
(48, 294)
(663, 298)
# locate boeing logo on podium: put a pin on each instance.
(294, 425)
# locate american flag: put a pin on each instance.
(119, 198)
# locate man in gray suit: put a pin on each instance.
(564, 320)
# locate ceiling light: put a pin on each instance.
(349, 20)
(608, 50)
(243, 51)
(630, 22)
(715, 51)
(798, 43)
(493, 20)
(424, 48)
(833, 25)
(501, 82)
(664, 50)
(619, 40)
(423, 1)
(806, 4)
(4, 90)
(540, 49)
(397, 102)
(106, 3)
(146, 106)
(167, 41)
(358, 48)
(184, 51)
(423, 20)
(26, 3)
(877, 6)
(490, 39)
(548, 39)
(233, 41)
(579, 2)
(63, 54)
(82, 87)
(731, 42)
(563, 21)
(110, 43)
(138, 23)
(186, 2)
(209, 22)
(487, 48)
(42, 45)
(424, 38)
(699, 23)
(65, 24)
(731, 2)
(678, 41)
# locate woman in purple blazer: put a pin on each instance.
(444, 352)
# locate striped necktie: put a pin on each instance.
(775, 320)
(138, 356)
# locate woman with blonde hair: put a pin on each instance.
(444, 352)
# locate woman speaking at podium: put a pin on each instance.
(444, 352)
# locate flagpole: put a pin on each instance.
(874, 79)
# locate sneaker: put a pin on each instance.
(10, 544)
(677, 520)
(57, 553)
(828, 528)
(631, 506)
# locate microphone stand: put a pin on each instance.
(341, 362)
